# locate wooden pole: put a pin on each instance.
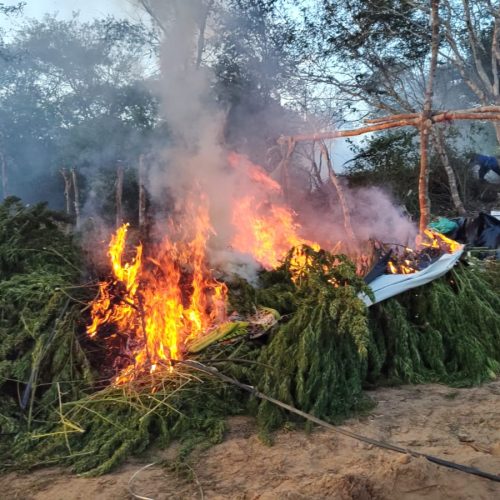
(487, 113)
(436, 116)
(335, 134)
(426, 123)
(76, 197)
(210, 370)
(119, 195)
(142, 193)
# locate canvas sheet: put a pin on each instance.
(389, 285)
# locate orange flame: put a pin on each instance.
(160, 301)
(432, 239)
(163, 302)
(429, 239)
(266, 231)
(254, 172)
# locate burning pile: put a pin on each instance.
(429, 247)
(165, 297)
(158, 302)
(326, 346)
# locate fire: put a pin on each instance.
(101, 311)
(254, 172)
(438, 241)
(265, 230)
(161, 299)
(160, 303)
(429, 245)
(264, 227)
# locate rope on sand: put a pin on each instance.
(339, 430)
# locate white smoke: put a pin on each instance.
(195, 156)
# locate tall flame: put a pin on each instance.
(160, 302)
(265, 230)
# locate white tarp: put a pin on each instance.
(388, 285)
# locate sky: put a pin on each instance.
(88, 8)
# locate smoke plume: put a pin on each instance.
(195, 159)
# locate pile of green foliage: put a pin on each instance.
(319, 357)
(332, 346)
(447, 331)
(38, 319)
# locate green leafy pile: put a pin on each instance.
(332, 346)
(447, 331)
(326, 348)
(317, 358)
(38, 319)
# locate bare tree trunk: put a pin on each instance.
(340, 192)
(201, 35)
(119, 195)
(67, 189)
(497, 130)
(423, 180)
(142, 193)
(316, 169)
(281, 173)
(437, 139)
(4, 175)
(426, 123)
(77, 198)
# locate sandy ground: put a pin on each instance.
(461, 425)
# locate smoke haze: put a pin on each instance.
(195, 159)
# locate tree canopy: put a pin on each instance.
(84, 95)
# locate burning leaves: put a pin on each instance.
(164, 299)
(156, 305)
(429, 247)
(159, 303)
